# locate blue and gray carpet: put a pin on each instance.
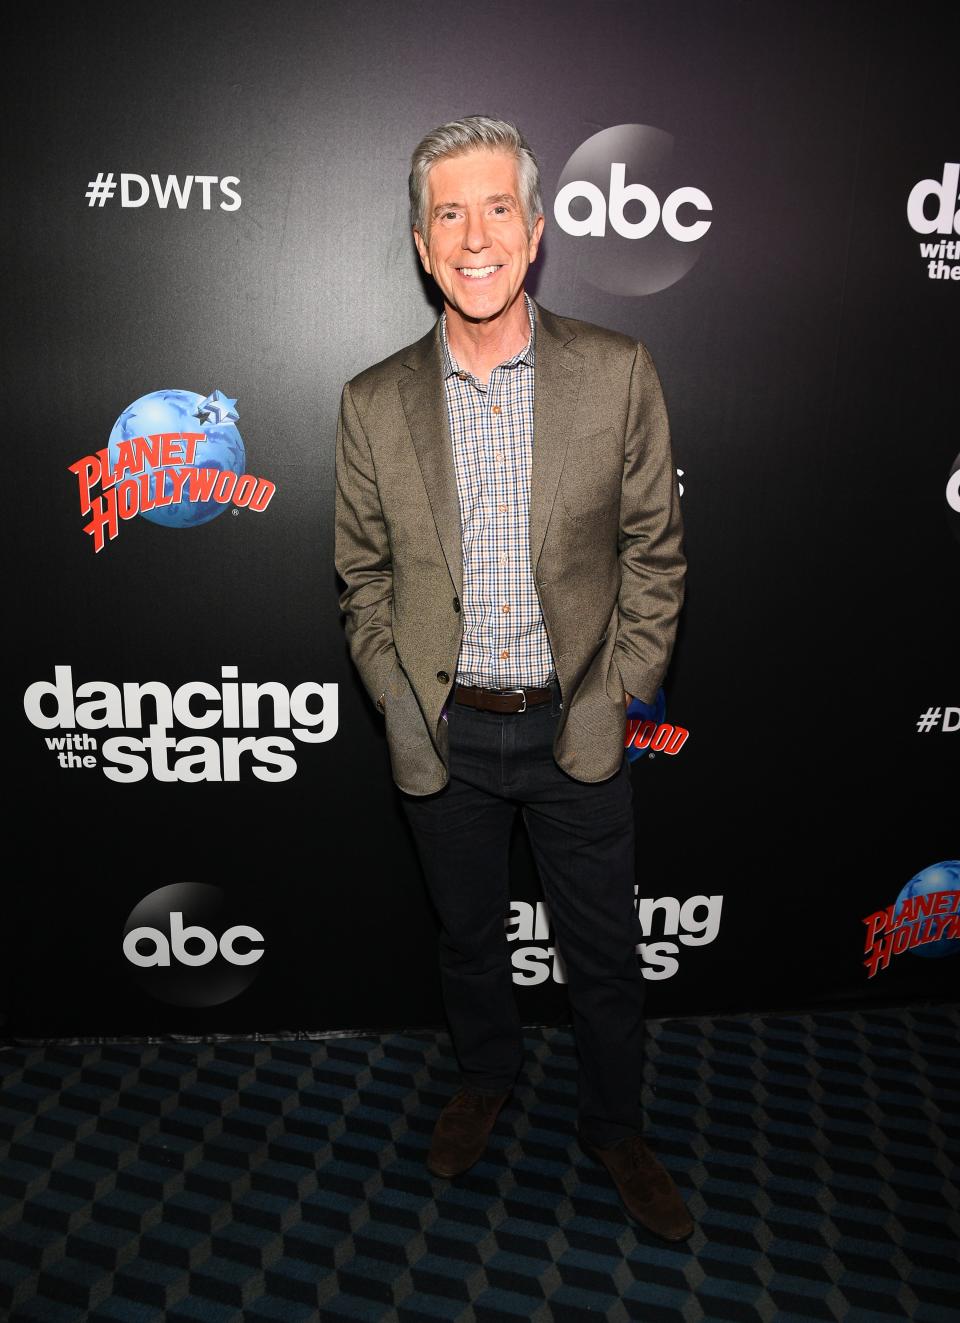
(285, 1180)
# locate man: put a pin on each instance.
(508, 530)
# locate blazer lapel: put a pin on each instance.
(425, 407)
(557, 372)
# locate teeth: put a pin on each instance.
(477, 272)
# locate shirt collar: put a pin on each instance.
(450, 365)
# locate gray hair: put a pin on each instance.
(466, 135)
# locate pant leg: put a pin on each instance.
(582, 837)
(463, 838)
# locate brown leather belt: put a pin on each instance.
(501, 700)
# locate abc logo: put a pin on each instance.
(621, 191)
(953, 498)
(620, 195)
(185, 947)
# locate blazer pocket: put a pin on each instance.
(404, 720)
(592, 474)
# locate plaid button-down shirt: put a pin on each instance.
(505, 641)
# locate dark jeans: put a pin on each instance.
(582, 837)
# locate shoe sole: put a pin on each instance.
(449, 1175)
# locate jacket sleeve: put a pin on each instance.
(362, 554)
(652, 562)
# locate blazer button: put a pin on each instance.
(443, 677)
(456, 604)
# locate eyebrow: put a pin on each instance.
(494, 197)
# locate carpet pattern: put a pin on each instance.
(285, 1180)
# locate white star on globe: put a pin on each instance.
(220, 407)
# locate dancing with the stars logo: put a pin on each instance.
(175, 457)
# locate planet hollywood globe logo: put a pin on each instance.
(175, 412)
(924, 920)
(177, 458)
(931, 895)
(648, 732)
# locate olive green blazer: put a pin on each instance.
(606, 542)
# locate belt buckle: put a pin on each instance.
(516, 691)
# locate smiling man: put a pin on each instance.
(508, 532)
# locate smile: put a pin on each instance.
(477, 272)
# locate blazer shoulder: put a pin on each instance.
(586, 337)
(367, 383)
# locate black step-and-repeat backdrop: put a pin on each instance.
(208, 235)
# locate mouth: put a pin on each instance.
(478, 272)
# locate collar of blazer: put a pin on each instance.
(557, 369)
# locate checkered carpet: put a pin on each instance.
(285, 1180)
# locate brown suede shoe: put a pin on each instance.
(645, 1186)
(461, 1132)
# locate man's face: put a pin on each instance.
(475, 224)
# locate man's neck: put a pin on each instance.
(480, 346)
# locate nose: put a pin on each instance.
(475, 237)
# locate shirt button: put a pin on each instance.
(499, 455)
(502, 509)
(495, 409)
(504, 557)
(464, 376)
(504, 655)
(505, 608)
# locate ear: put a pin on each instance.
(534, 244)
(422, 251)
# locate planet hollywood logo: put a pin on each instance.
(155, 718)
(648, 733)
(631, 206)
(932, 210)
(672, 923)
(186, 946)
(924, 919)
(176, 458)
